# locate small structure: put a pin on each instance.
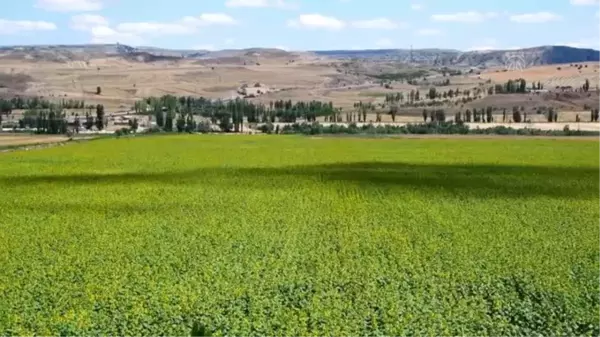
(252, 91)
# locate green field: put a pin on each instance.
(289, 235)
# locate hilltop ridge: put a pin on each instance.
(534, 56)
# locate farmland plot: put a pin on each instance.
(278, 235)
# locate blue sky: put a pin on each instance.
(303, 24)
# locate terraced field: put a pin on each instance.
(278, 235)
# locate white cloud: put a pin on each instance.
(384, 43)
(429, 32)
(69, 5)
(261, 4)
(186, 25)
(379, 23)
(155, 28)
(216, 19)
(317, 21)
(465, 17)
(539, 17)
(104, 34)
(416, 7)
(584, 2)
(17, 26)
(331, 23)
(137, 32)
(86, 22)
(229, 41)
(284, 48)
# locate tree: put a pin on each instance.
(440, 115)
(504, 115)
(516, 115)
(100, 116)
(159, 116)
(458, 117)
(190, 123)
(180, 124)
(133, 125)
(89, 121)
(586, 86)
(169, 121)
(393, 112)
(476, 116)
(225, 123)
(432, 93)
(550, 115)
(424, 115)
(522, 86)
(98, 90)
(77, 123)
(364, 113)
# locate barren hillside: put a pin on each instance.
(118, 75)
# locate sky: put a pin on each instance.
(304, 24)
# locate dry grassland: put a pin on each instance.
(551, 75)
(122, 82)
(9, 140)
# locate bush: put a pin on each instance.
(446, 128)
(122, 132)
(267, 128)
(204, 127)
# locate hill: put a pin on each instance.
(490, 58)
(70, 53)
(535, 56)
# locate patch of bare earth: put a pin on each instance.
(17, 140)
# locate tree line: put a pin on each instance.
(25, 103)
(423, 128)
(54, 120)
(172, 112)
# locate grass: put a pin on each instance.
(287, 235)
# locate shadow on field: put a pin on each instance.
(479, 180)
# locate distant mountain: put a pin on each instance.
(67, 53)
(437, 57)
(489, 58)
